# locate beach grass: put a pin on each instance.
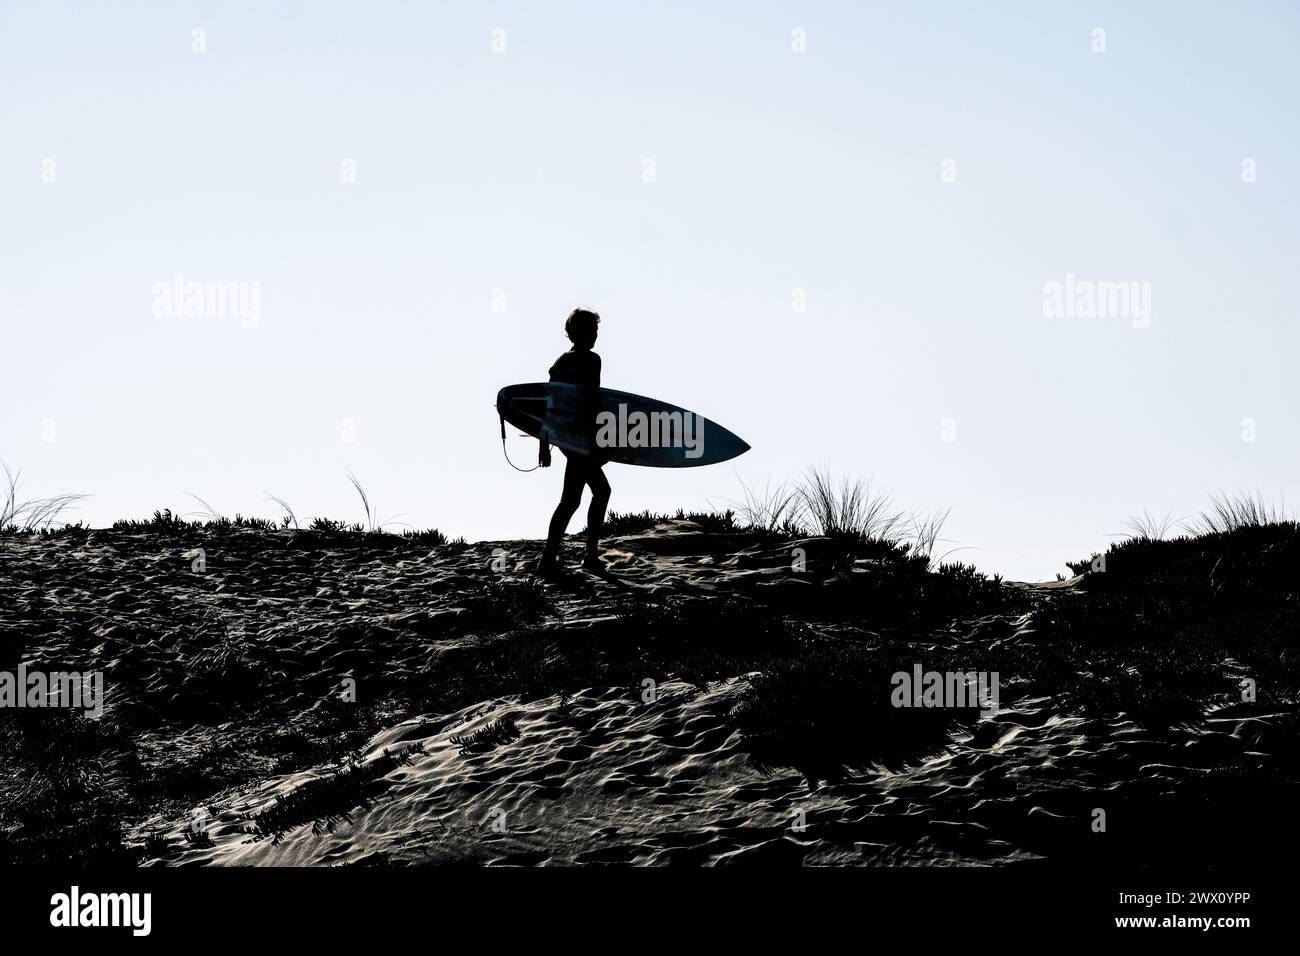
(33, 514)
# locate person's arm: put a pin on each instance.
(544, 444)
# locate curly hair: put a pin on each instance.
(581, 324)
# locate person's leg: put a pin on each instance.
(570, 498)
(600, 491)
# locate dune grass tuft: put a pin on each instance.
(290, 518)
(32, 515)
(487, 738)
(775, 510)
(848, 510)
(1226, 513)
(331, 800)
(373, 522)
(1148, 527)
(1241, 510)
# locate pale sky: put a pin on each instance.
(417, 211)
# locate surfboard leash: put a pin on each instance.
(507, 454)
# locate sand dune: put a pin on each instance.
(498, 720)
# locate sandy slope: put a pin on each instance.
(599, 775)
(614, 780)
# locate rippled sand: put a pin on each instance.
(615, 781)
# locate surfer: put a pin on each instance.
(578, 366)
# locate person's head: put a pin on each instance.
(581, 327)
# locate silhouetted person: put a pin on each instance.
(578, 366)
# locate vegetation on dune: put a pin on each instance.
(847, 510)
(718, 522)
(506, 604)
(43, 516)
(1162, 632)
(330, 800)
(1147, 527)
(775, 510)
(1170, 625)
(488, 737)
(33, 514)
(59, 772)
(1228, 512)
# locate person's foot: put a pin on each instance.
(592, 563)
(547, 566)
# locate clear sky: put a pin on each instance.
(417, 211)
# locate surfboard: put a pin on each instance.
(617, 426)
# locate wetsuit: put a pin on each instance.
(579, 367)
